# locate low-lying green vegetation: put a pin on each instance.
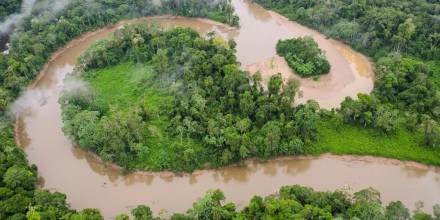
(338, 138)
(304, 56)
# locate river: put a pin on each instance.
(89, 184)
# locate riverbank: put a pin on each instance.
(353, 140)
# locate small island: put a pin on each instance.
(303, 56)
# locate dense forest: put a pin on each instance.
(33, 42)
(304, 56)
(204, 108)
(218, 111)
(8, 7)
(403, 37)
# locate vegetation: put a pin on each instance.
(296, 202)
(219, 114)
(40, 35)
(220, 10)
(183, 104)
(304, 56)
(402, 37)
(402, 145)
(8, 7)
(19, 196)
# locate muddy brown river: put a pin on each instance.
(89, 184)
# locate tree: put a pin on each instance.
(367, 205)
(404, 34)
(274, 85)
(432, 133)
(122, 217)
(142, 212)
(396, 211)
(247, 104)
(271, 134)
(210, 207)
(19, 177)
(304, 56)
(305, 122)
(386, 119)
(86, 214)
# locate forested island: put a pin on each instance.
(183, 103)
(222, 115)
(304, 56)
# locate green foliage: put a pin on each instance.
(19, 177)
(210, 207)
(33, 42)
(185, 103)
(38, 38)
(304, 56)
(220, 10)
(18, 197)
(403, 37)
(86, 214)
(405, 83)
(402, 144)
(396, 211)
(375, 27)
(8, 7)
(297, 202)
(368, 112)
(142, 212)
(122, 217)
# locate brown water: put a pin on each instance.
(88, 183)
(351, 72)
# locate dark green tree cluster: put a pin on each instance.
(403, 37)
(304, 56)
(216, 104)
(19, 196)
(367, 111)
(219, 10)
(295, 202)
(8, 7)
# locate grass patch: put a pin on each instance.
(118, 86)
(347, 139)
(127, 83)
